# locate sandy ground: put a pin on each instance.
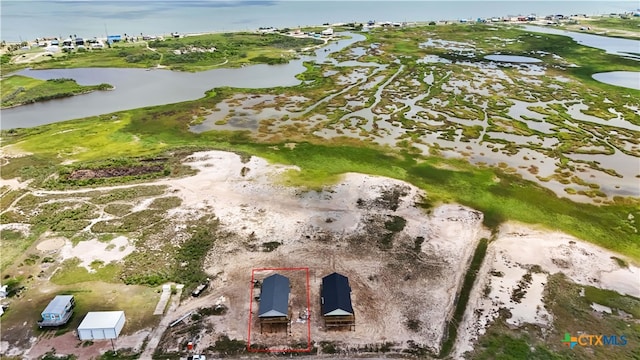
(337, 229)
(52, 244)
(331, 230)
(68, 343)
(316, 230)
(517, 248)
(93, 250)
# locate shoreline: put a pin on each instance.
(54, 98)
(505, 19)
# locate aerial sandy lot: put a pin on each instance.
(402, 290)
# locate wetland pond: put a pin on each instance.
(136, 88)
(628, 79)
(618, 46)
(512, 58)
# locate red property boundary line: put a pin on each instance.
(253, 271)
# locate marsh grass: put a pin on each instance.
(71, 273)
(18, 90)
(499, 195)
(614, 300)
(572, 313)
(165, 203)
(15, 244)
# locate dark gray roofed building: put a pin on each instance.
(274, 301)
(274, 296)
(337, 309)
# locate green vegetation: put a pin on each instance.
(499, 195)
(166, 203)
(618, 26)
(191, 53)
(572, 314)
(71, 273)
(612, 299)
(18, 90)
(14, 243)
(270, 246)
(226, 346)
(463, 297)
(502, 346)
(130, 222)
(153, 265)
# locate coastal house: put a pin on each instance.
(101, 325)
(327, 32)
(335, 299)
(274, 302)
(114, 39)
(58, 312)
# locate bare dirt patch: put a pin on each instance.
(405, 266)
(93, 250)
(51, 244)
(84, 174)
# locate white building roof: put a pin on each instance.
(101, 320)
(58, 304)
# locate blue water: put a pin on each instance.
(27, 20)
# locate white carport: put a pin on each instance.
(101, 325)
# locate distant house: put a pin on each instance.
(101, 325)
(327, 32)
(335, 298)
(274, 302)
(58, 312)
(114, 38)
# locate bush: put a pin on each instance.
(226, 346)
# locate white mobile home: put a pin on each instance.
(58, 312)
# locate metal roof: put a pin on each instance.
(101, 320)
(336, 295)
(58, 304)
(274, 297)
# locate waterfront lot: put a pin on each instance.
(126, 199)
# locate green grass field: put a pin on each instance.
(196, 53)
(631, 23)
(500, 196)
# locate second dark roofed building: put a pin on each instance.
(336, 296)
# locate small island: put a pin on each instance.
(20, 90)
